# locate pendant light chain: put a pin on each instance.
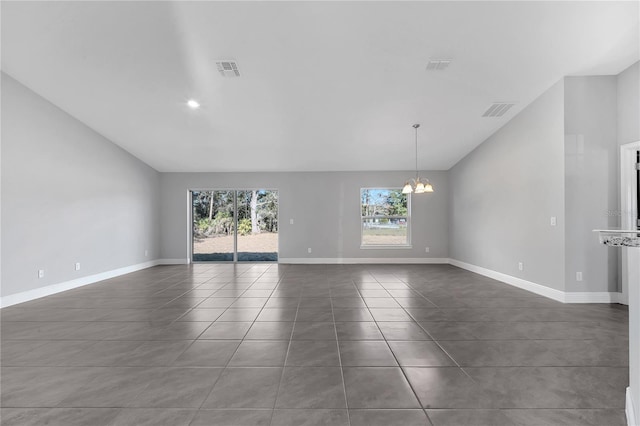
(415, 126)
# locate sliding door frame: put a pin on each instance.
(235, 191)
(235, 226)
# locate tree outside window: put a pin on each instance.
(385, 214)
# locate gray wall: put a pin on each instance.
(591, 181)
(324, 206)
(629, 105)
(504, 193)
(68, 195)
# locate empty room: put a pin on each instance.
(338, 213)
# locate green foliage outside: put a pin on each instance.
(244, 227)
(383, 202)
(213, 212)
(223, 223)
(204, 226)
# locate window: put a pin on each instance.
(384, 218)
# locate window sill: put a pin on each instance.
(382, 247)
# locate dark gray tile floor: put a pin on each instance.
(267, 344)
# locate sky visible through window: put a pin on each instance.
(385, 217)
(383, 202)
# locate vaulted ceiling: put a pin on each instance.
(322, 86)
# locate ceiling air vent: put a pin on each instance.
(228, 68)
(438, 64)
(497, 109)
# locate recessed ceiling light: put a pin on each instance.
(193, 104)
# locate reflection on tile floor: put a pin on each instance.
(267, 344)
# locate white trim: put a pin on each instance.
(629, 409)
(385, 247)
(172, 262)
(617, 231)
(189, 224)
(514, 281)
(560, 296)
(593, 297)
(364, 260)
(36, 293)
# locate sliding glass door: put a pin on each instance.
(257, 225)
(213, 225)
(234, 225)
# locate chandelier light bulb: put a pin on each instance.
(407, 188)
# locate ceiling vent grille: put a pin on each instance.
(438, 64)
(228, 68)
(497, 109)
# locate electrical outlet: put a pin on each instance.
(309, 250)
(40, 273)
(578, 276)
(521, 266)
(146, 253)
(77, 266)
(553, 221)
(426, 249)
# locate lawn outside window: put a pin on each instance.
(385, 218)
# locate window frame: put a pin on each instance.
(406, 245)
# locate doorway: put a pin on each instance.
(234, 225)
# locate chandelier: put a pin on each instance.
(417, 184)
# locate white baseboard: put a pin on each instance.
(514, 281)
(363, 260)
(629, 409)
(37, 293)
(560, 296)
(173, 262)
(593, 297)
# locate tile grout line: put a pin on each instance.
(406, 378)
(286, 357)
(344, 385)
(429, 334)
(226, 365)
(424, 410)
(223, 312)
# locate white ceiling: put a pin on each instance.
(324, 85)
